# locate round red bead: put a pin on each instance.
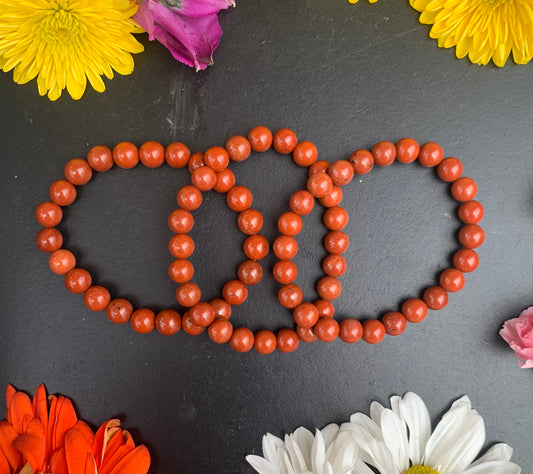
(220, 331)
(384, 153)
(414, 310)
(238, 148)
(351, 330)
(373, 331)
(431, 154)
(452, 279)
(119, 311)
(287, 340)
(327, 329)
(285, 141)
(49, 239)
(242, 340)
(265, 341)
(465, 260)
(435, 297)
(143, 320)
(394, 322)
(407, 150)
(168, 322)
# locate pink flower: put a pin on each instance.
(518, 333)
(188, 28)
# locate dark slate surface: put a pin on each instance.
(344, 77)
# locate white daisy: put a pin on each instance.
(399, 440)
(330, 451)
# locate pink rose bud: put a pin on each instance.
(518, 333)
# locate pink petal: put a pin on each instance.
(525, 326)
(190, 40)
(528, 364)
(523, 353)
(145, 18)
(509, 332)
(518, 333)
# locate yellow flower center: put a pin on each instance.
(418, 469)
(61, 24)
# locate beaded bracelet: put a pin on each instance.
(255, 246)
(209, 171)
(62, 262)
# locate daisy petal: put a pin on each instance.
(414, 412)
(363, 426)
(395, 437)
(318, 453)
(285, 465)
(261, 465)
(494, 467)
(329, 433)
(271, 444)
(457, 439)
(376, 409)
(342, 452)
(295, 453)
(382, 458)
(498, 452)
(395, 404)
(304, 438)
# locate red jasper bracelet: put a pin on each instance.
(209, 171)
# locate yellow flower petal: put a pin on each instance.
(481, 29)
(65, 42)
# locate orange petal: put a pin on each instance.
(58, 462)
(40, 406)
(7, 436)
(101, 438)
(32, 448)
(49, 429)
(112, 458)
(10, 391)
(135, 462)
(36, 428)
(65, 418)
(77, 451)
(85, 430)
(20, 406)
(90, 464)
(26, 421)
(113, 445)
(4, 464)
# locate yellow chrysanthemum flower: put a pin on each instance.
(483, 29)
(369, 1)
(65, 42)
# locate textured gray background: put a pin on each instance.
(344, 77)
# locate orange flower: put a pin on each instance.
(45, 436)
